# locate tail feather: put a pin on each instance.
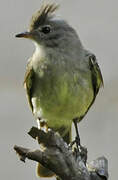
(44, 172)
(66, 135)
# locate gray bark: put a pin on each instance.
(66, 163)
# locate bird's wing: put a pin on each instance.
(96, 75)
(97, 79)
(29, 75)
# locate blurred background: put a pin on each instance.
(97, 25)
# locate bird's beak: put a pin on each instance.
(24, 35)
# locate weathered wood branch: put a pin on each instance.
(66, 163)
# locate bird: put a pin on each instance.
(62, 78)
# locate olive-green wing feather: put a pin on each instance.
(29, 75)
(97, 79)
(96, 75)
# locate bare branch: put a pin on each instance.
(59, 158)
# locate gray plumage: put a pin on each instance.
(62, 78)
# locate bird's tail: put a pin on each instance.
(66, 134)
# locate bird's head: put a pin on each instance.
(48, 30)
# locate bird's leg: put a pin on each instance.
(77, 139)
(82, 150)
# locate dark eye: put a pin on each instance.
(46, 29)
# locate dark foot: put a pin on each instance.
(79, 150)
(77, 139)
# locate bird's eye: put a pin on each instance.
(46, 29)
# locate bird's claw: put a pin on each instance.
(76, 141)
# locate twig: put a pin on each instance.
(59, 158)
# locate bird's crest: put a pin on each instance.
(41, 16)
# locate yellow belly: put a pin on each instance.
(62, 101)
